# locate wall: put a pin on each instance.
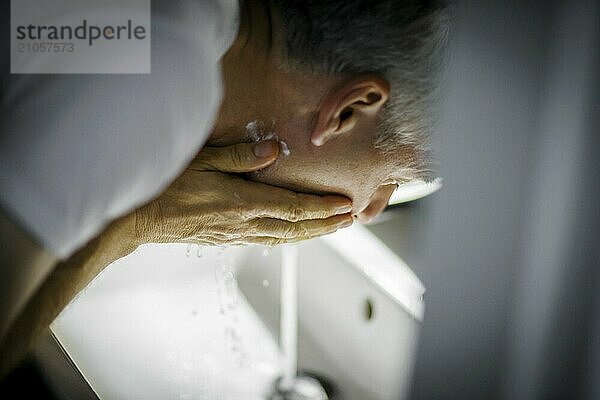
(473, 243)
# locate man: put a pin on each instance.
(335, 92)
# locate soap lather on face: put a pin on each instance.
(257, 131)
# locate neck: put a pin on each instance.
(256, 87)
(255, 30)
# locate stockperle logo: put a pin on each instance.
(80, 36)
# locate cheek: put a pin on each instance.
(292, 171)
(329, 169)
(365, 193)
(360, 202)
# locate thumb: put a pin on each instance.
(241, 157)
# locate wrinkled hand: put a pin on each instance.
(207, 205)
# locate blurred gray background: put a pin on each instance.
(508, 249)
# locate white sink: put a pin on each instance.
(163, 324)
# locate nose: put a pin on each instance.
(377, 203)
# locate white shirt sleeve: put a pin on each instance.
(77, 151)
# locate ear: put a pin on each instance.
(343, 107)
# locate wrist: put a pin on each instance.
(144, 227)
(119, 239)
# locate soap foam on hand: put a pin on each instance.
(256, 130)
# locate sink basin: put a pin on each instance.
(187, 322)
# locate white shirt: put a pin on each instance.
(77, 151)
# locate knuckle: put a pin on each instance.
(241, 212)
(295, 213)
(200, 164)
(272, 227)
(272, 242)
(252, 228)
(236, 157)
(204, 161)
(289, 232)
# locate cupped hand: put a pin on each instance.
(209, 205)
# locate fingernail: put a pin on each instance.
(264, 149)
(344, 209)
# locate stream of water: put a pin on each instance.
(288, 335)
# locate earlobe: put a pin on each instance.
(342, 108)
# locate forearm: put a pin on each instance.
(62, 285)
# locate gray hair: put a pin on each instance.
(400, 40)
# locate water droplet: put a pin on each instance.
(199, 252)
(266, 252)
(285, 150)
(266, 283)
(187, 251)
(228, 277)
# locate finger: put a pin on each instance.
(377, 204)
(238, 158)
(268, 241)
(278, 203)
(298, 230)
(275, 241)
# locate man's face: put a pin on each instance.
(284, 104)
(348, 165)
